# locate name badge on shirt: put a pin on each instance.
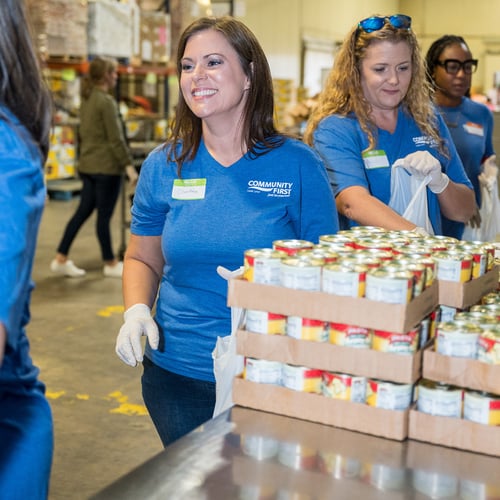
(474, 128)
(375, 159)
(189, 189)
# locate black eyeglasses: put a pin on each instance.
(453, 66)
(375, 23)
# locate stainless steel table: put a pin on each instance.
(247, 454)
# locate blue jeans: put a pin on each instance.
(98, 192)
(26, 444)
(176, 404)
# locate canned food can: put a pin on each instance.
(392, 287)
(397, 343)
(301, 378)
(457, 339)
(262, 265)
(328, 255)
(265, 322)
(262, 371)
(482, 407)
(350, 335)
(439, 399)
(479, 257)
(259, 447)
(301, 273)
(306, 329)
(338, 466)
(447, 313)
(453, 266)
(428, 328)
(488, 349)
(493, 252)
(292, 246)
(381, 255)
(483, 320)
(388, 395)
(414, 249)
(346, 280)
(489, 309)
(297, 456)
(366, 242)
(362, 257)
(491, 298)
(374, 230)
(344, 386)
(337, 240)
(434, 485)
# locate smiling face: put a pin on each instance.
(212, 80)
(451, 88)
(386, 72)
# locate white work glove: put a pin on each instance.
(489, 173)
(423, 164)
(138, 322)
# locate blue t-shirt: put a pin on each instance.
(471, 128)
(209, 219)
(340, 142)
(22, 198)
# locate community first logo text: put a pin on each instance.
(271, 188)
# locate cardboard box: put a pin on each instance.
(318, 408)
(402, 368)
(463, 372)
(398, 318)
(462, 295)
(455, 433)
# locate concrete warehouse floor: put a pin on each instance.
(102, 429)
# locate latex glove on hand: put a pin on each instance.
(489, 167)
(138, 322)
(423, 164)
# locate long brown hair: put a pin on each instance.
(22, 88)
(343, 93)
(259, 132)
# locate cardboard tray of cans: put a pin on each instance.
(454, 433)
(401, 368)
(462, 295)
(462, 372)
(391, 424)
(397, 318)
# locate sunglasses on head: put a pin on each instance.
(453, 66)
(375, 23)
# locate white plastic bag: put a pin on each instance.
(409, 197)
(227, 364)
(489, 212)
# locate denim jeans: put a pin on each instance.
(176, 404)
(98, 192)
(26, 444)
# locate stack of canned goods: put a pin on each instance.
(387, 266)
(445, 400)
(344, 386)
(473, 334)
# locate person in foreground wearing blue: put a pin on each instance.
(376, 110)
(450, 66)
(225, 182)
(26, 426)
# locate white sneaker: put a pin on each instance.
(115, 271)
(67, 268)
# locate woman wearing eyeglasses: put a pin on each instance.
(450, 67)
(376, 110)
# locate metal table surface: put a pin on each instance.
(248, 454)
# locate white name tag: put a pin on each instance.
(375, 159)
(474, 129)
(189, 189)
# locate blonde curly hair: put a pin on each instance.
(343, 93)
